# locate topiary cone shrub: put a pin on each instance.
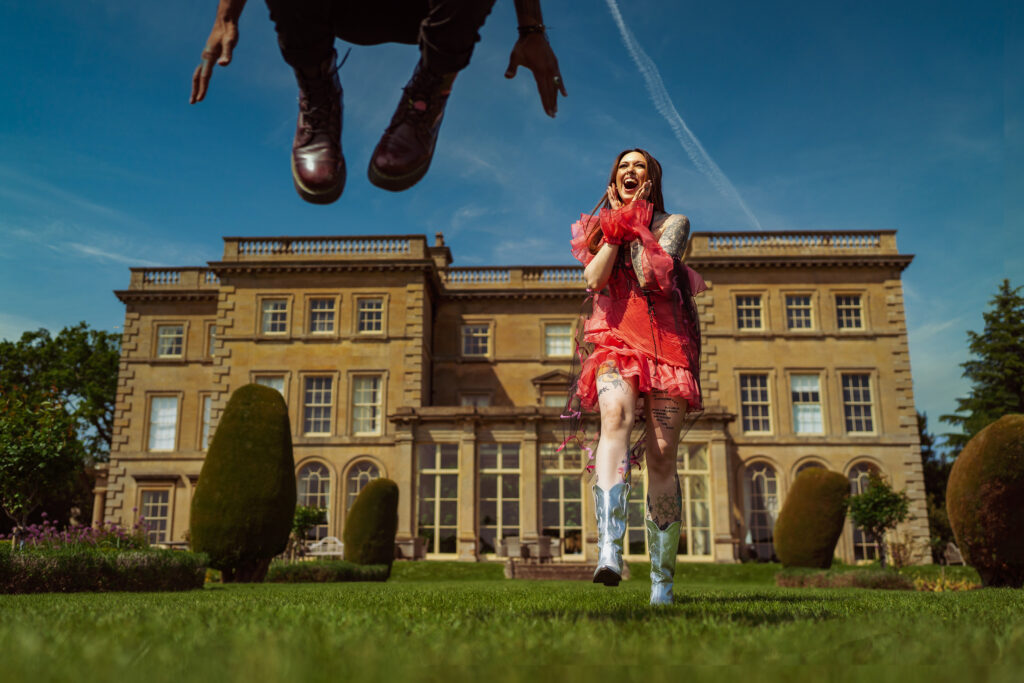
(245, 499)
(811, 519)
(985, 502)
(372, 523)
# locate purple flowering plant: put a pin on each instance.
(48, 536)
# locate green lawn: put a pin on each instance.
(467, 623)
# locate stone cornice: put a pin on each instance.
(137, 296)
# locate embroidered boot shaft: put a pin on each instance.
(663, 547)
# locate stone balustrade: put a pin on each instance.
(174, 278)
(325, 248)
(792, 243)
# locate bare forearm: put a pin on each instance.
(599, 270)
(528, 12)
(230, 10)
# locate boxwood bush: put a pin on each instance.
(811, 519)
(245, 499)
(372, 523)
(79, 568)
(984, 501)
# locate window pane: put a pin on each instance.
(449, 456)
(754, 403)
(321, 315)
(163, 421)
(317, 405)
(170, 341)
(476, 340)
(558, 339)
(205, 438)
(272, 381)
(857, 403)
(370, 315)
(366, 404)
(848, 311)
(155, 514)
(275, 316)
(748, 311)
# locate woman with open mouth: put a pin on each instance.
(642, 341)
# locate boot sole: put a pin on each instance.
(398, 183)
(328, 196)
(606, 576)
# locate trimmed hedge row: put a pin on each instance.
(326, 571)
(851, 578)
(73, 570)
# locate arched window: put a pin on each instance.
(864, 547)
(314, 483)
(809, 465)
(762, 498)
(361, 474)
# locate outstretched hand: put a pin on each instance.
(534, 52)
(219, 46)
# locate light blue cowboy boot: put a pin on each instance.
(611, 507)
(663, 546)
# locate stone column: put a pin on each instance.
(721, 488)
(405, 455)
(467, 542)
(529, 486)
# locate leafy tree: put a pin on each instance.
(878, 510)
(937, 466)
(81, 365)
(997, 372)
(36, 452)
(306, 517)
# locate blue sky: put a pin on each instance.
(838, 115)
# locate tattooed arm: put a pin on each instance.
(654, 261)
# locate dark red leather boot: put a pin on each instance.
(404, 152)
(318, 167)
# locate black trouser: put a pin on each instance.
(445, 30)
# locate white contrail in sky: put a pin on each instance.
(663, 103)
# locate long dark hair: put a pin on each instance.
(655, 197)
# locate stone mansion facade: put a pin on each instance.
(450, 381)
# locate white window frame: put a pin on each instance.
(183, 339)
(767, 402)
(873, 413)
(811, 318)
(264, 323)
(262, 378)
(499, 471)
(470, 330)
(328, 405)
(549, 338)
(742, 305)
(205, 431)
(312, 301)
(151, 426)
(358, 311)
(797, 404)
(302, 498)
(378, 405)
(859, 308)
(151, 535)
(437, 471)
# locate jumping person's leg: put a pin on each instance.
(446, 37)
(664, 498)
(617, 400)
(306, 39)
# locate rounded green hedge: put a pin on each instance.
(985, 502)
(811, 519)
(372, 523)
(245, 498)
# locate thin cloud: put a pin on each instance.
(663, 103)
(102, 254)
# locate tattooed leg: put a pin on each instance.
(616, 397)
(664, 497)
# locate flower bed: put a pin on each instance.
(325, 571)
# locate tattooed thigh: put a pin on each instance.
(609, 377)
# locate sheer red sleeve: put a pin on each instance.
(580, 238)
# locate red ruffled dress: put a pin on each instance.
(648, 327)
